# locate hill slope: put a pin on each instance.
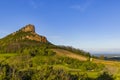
(25, 33)
(112, 67)
(24, 37)
(38, 59)
(62, 52)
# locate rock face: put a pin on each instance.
(23, 38)
(36, 37)
(29, 28)
(32, 34)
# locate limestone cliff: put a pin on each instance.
(23, 38)
(28, 32)
(34, 36)
(29, 28)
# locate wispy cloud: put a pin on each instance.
(77, 7)
(82, 7)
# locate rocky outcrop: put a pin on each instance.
(29, 33)
(23, 38)
(28, 28)
(36, 37)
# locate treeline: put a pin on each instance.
(74, 50)
(16, 47)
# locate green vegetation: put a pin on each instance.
(22, 58)
(41, 63)
(18, 40)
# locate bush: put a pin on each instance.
(105, 76)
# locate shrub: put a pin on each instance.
(105, 76)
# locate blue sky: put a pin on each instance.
(92, 25)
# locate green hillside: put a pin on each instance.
(21, 39)
(42, 63)
(25, 55)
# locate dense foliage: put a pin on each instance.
(41, 63)
(44, 73)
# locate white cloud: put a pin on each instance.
(82, 7)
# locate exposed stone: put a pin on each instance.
(37, 38)
(34, 35)
(29, 28)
